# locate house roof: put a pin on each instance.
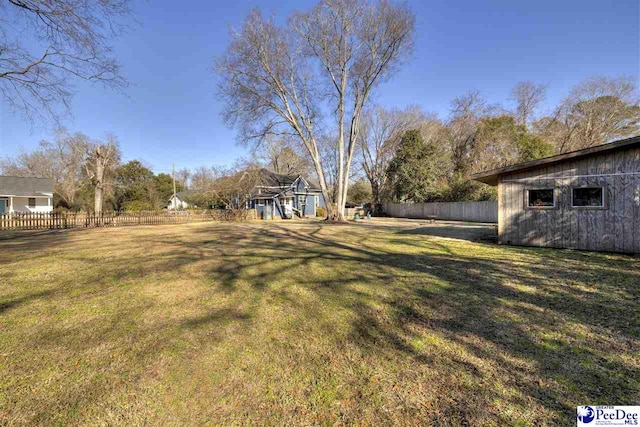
(313, 185)
(25, 186)
(271, 179)
(182, 194)
(491, 176)
(266, 178)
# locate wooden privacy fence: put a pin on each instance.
(486, 211)
(59, 220)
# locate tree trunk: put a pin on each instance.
(97, 206)
(376, 203)
(343, 170)
(99, 182)
(323, 183)
(343, 188)
(340, 202)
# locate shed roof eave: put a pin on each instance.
(489, 180)
(491, 176)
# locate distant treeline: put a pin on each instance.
(408, 155)
(405, 155)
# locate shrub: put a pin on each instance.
(321, 212)
(137, 205)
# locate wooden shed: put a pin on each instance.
(587, 199)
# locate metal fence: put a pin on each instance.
(60, 220)
(486, 211)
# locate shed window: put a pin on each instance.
(541, 198)
(32, 202)
(587, 197)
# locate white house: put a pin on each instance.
(18, 194)
(179, 201)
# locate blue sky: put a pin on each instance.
(171, 115)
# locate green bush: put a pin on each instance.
(321, 212)
(137, 205)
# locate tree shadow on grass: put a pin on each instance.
(525, 312)
(472, 233)
(526, 328)
(7, 303)
(513, 329)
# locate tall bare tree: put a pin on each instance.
(527, 96)
(274, 79)
(44, 45)
(102, 160)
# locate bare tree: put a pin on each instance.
(329, 160)
(380, 134)
(183, 177)
(61, 160)
(228, 188)
(69, 155)
(46, 44)
(102, 160)
(463, 126)
(202, 177)
(37, 163)
(282, 158)
(596, 111)
(528, 96)
(272, 77)
(234, 186)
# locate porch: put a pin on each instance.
(25, 204)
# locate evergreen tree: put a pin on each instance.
(413, 172)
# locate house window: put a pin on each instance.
(541, 198)
(587, 197)
(32, 202)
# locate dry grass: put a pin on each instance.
(310, 323)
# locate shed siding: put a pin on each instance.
(615, 228)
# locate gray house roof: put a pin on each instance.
(491, 177)
(313, 185)
(271, 179)
(25, 186)
(266, 178)
(182, 194)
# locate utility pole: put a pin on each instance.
(173, 174)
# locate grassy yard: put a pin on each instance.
(309, 323)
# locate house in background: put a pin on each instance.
(179, 201)
(283, 196)
(25, 195)
(587, 199)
